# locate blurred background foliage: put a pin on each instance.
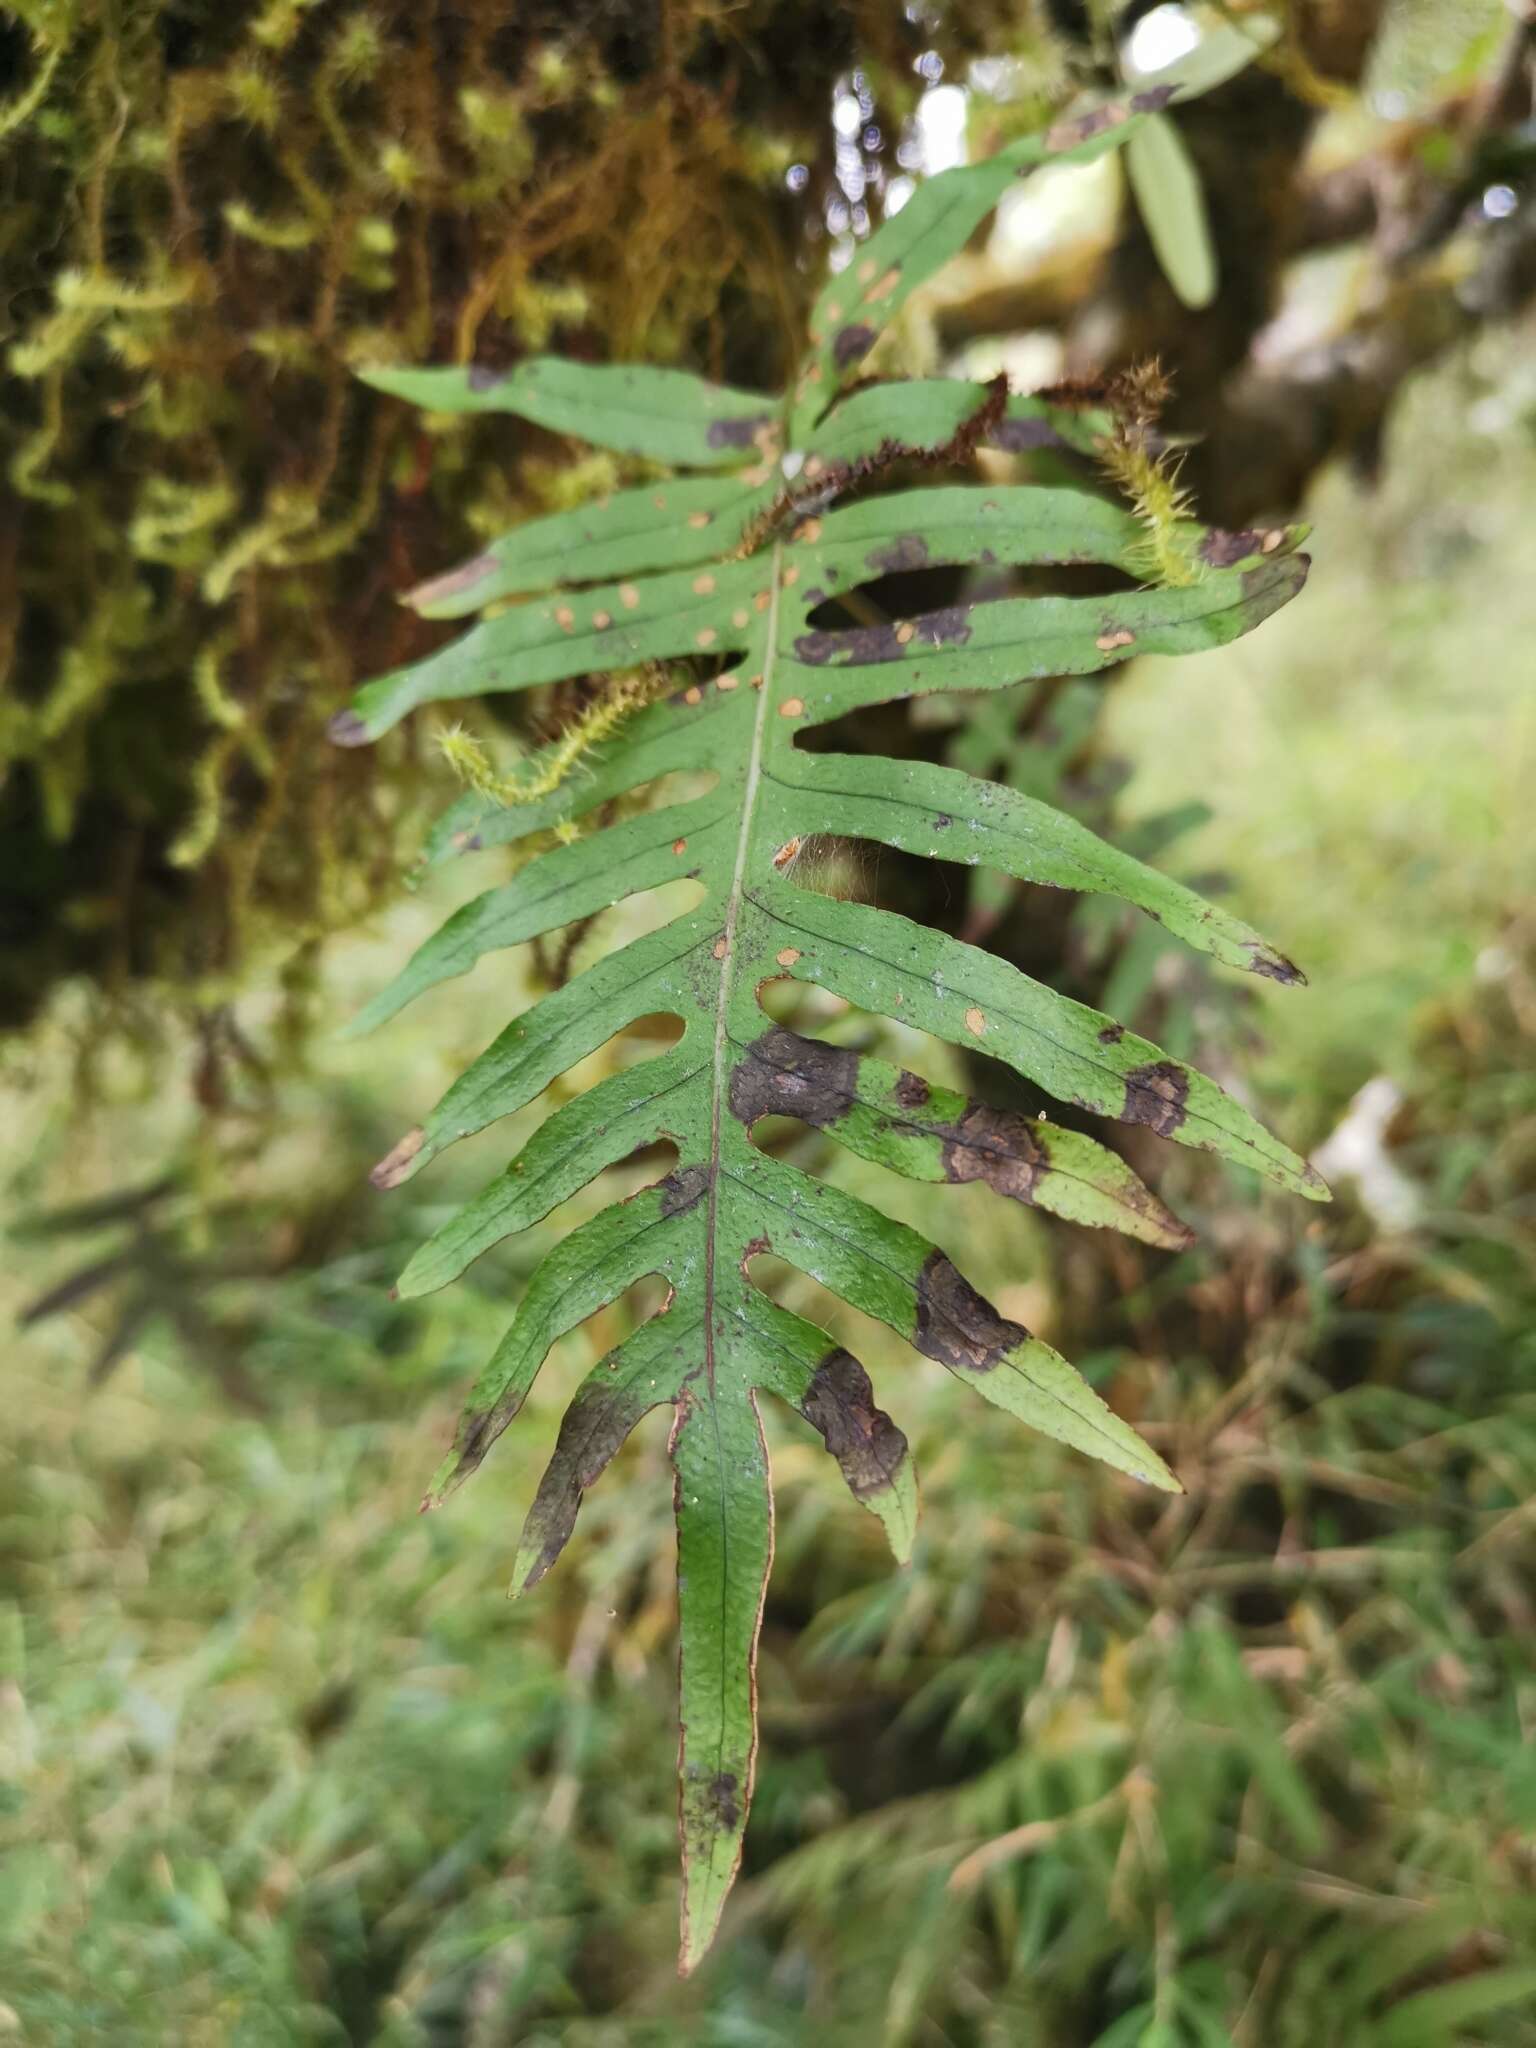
(278, 1764)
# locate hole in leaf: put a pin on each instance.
(915, 592)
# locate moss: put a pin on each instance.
(212, 213)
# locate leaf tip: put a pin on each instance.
(446, 595)
(395, 1166)
(347, 729)
(1274, 966)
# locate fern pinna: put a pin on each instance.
(727, 568)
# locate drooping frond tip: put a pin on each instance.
(747, 583)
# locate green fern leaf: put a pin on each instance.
(728, 570)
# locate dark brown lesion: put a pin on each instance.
(1225, 550)
(840, 1404)
(908, 551)
(912, 1091)
(737, 433)
(593, 1430)
(724, 1795)
(683, 1190)
(851, 344)
(1020, 436)
(1275, 967)
(782, 1074)
(1157, 1094)
(997, 1146)
(711, 1804)
(865, 646)
(957, 1326)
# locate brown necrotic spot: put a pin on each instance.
(683, 1190)
(482, 378)
(912, 1091)
(740, 433)
(1156, 1094)
(996, 1146)
(782, 1074)
(867, 1445)
(955, 1325)
(724, 1797)
(1274, 966)
(1222, 550)
(1083, 127)
(851, 344)
(593, 1430)
(908, 551)
(865, 646)
(1017, 437)
(1112, 1034)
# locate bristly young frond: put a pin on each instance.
(733, 569)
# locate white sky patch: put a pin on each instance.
(1159, 39)
(1061, 206)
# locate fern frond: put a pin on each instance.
(738, 571)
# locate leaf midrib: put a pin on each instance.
(728, 957)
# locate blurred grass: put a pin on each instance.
(1369, 757)
(1249, 1767)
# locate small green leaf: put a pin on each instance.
(935, 224)
(621, 1115)
(665, 415)
(671, 526)
(1167, 187)
(557, 888)
(617, 625)
(992, 646)
(949, 815)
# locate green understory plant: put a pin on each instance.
(750, 577)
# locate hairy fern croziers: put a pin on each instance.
(731, 566)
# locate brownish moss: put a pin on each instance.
(208, 215)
